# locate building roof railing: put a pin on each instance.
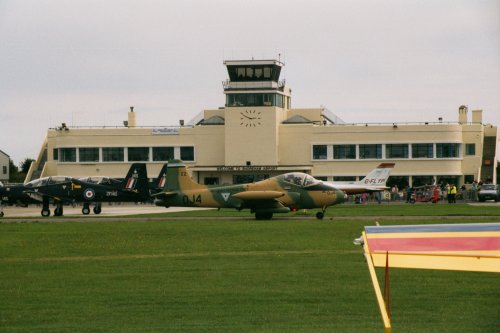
(191, 125)
(228, 84)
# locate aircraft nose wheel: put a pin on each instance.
(320, 215)
(1, 214)
(45, 212)
(85, 210)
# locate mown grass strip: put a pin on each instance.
(222, 276)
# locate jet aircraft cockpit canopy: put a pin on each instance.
(300, 179)
(48, 181)
(100, 180)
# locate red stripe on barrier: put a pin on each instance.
(434, 244)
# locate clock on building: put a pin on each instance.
(250, 118)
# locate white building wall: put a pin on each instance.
(4, 166)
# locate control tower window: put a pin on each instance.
(267, 72)
(254, 100)
(245, 73)
(240, 72)
(258, 72)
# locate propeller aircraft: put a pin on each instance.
(66, 190)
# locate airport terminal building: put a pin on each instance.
(258, 134)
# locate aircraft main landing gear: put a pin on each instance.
(1, 209)
(45, 207)
(86, 209)
(97, 208)
(59, 209)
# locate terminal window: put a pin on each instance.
(67, 154)
(370, 151)
(187, 153)
(422, 150)
(447, 150)
(88, 154)
(344, 152)
(396, 150)
(319, 152)
(112, 154)
(163, 153)
(470, 149)
(137, 154)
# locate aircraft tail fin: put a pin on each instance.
(162, 178)
(378, 176)
(137, 179)
(178, 178)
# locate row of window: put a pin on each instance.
(254, 73)
(255, 100)
(390, 151)
(123, 154)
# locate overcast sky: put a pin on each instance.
(85, 62)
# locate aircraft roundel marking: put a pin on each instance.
(225, 195)
(89, 194)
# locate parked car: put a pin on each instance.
(489, 192)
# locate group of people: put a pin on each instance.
(451, 193)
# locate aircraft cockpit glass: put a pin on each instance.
(100, 180)
(300, 179)
(294, 178)
(310, 181)
(47, 181)
(57, 179)
(109, 181)
(92, 180)
(38, 182)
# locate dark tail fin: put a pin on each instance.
(160, 182)
(137, 179)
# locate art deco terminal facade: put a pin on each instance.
(258, 134)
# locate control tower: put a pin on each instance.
(256, 103)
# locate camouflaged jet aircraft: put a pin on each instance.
(61, 190)
(279, 194)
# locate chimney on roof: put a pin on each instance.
(462, 114)
(131, 118)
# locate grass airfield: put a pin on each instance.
(232, 275)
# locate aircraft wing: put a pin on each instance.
(39, 196)
(258, 195)
(160, 195)
(34, 195)
(263, 201)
